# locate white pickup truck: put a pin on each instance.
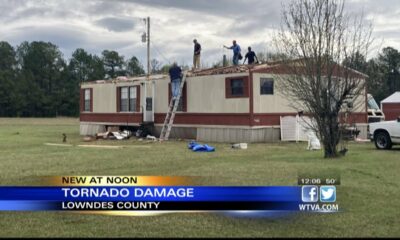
(385, 134)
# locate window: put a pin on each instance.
(149, 104)
(124, 99)
(266, 86)
(128, 99)
(237, 87)
(132, 99)
(87, 100)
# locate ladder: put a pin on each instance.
(173, 106)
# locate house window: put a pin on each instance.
(128, 99)
(237, 87)
(87, 100)
(149, 104)
(124, 99)
(266, 86)
(132, 99)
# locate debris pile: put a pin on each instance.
(239, 146)
(118, 135)
(152, 138)
(313, 141)
(219, 70)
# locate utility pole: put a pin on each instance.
(146, 38)
(148, 48)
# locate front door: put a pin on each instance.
(148, 101)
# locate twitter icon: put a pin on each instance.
(327, 194)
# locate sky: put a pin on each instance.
(95, 25)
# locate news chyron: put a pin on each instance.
(155, 195)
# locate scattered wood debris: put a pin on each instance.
(58, 144)
(88, 139)
(112, 135)
(220, 70)
(102, 146)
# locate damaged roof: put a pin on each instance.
(228, 70)
(124, 79)
(269, 67)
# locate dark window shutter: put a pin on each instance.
(91, 100)
(184, 98)
(246, 88)
(137, 98)
(169, 93)
(118, 99)
(227, 88)
(82, 99)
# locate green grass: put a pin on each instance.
(368, 195)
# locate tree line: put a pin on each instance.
(383, 72)
(37, 81)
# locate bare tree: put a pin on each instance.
(314, 38)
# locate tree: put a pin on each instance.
(86, 67)
(113, 63)
(264, 57)
(98, 71)
(389, 59)
(315, 37)
(376, 84)
(81, 64)
(165, 68)
(155, 66)
(41, 69)
(356, 61)
(8, 74)
(134, 67)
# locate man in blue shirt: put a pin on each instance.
(175, 73)
(236, 52)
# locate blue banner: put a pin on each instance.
(185, 198)
(274, 194)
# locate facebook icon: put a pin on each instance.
(309, 194)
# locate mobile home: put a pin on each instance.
(227, 104)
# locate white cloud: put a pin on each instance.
(117, 25)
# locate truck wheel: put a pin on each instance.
(382, 141)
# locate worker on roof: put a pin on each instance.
(196, 55)
(250, 55)
(236, 52)
(175, 73)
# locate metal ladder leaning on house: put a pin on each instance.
(173, 106)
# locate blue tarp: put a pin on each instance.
(196, 147)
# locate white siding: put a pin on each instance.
(275, 103)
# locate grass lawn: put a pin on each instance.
(368, 195)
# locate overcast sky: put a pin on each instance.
(96, 25)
